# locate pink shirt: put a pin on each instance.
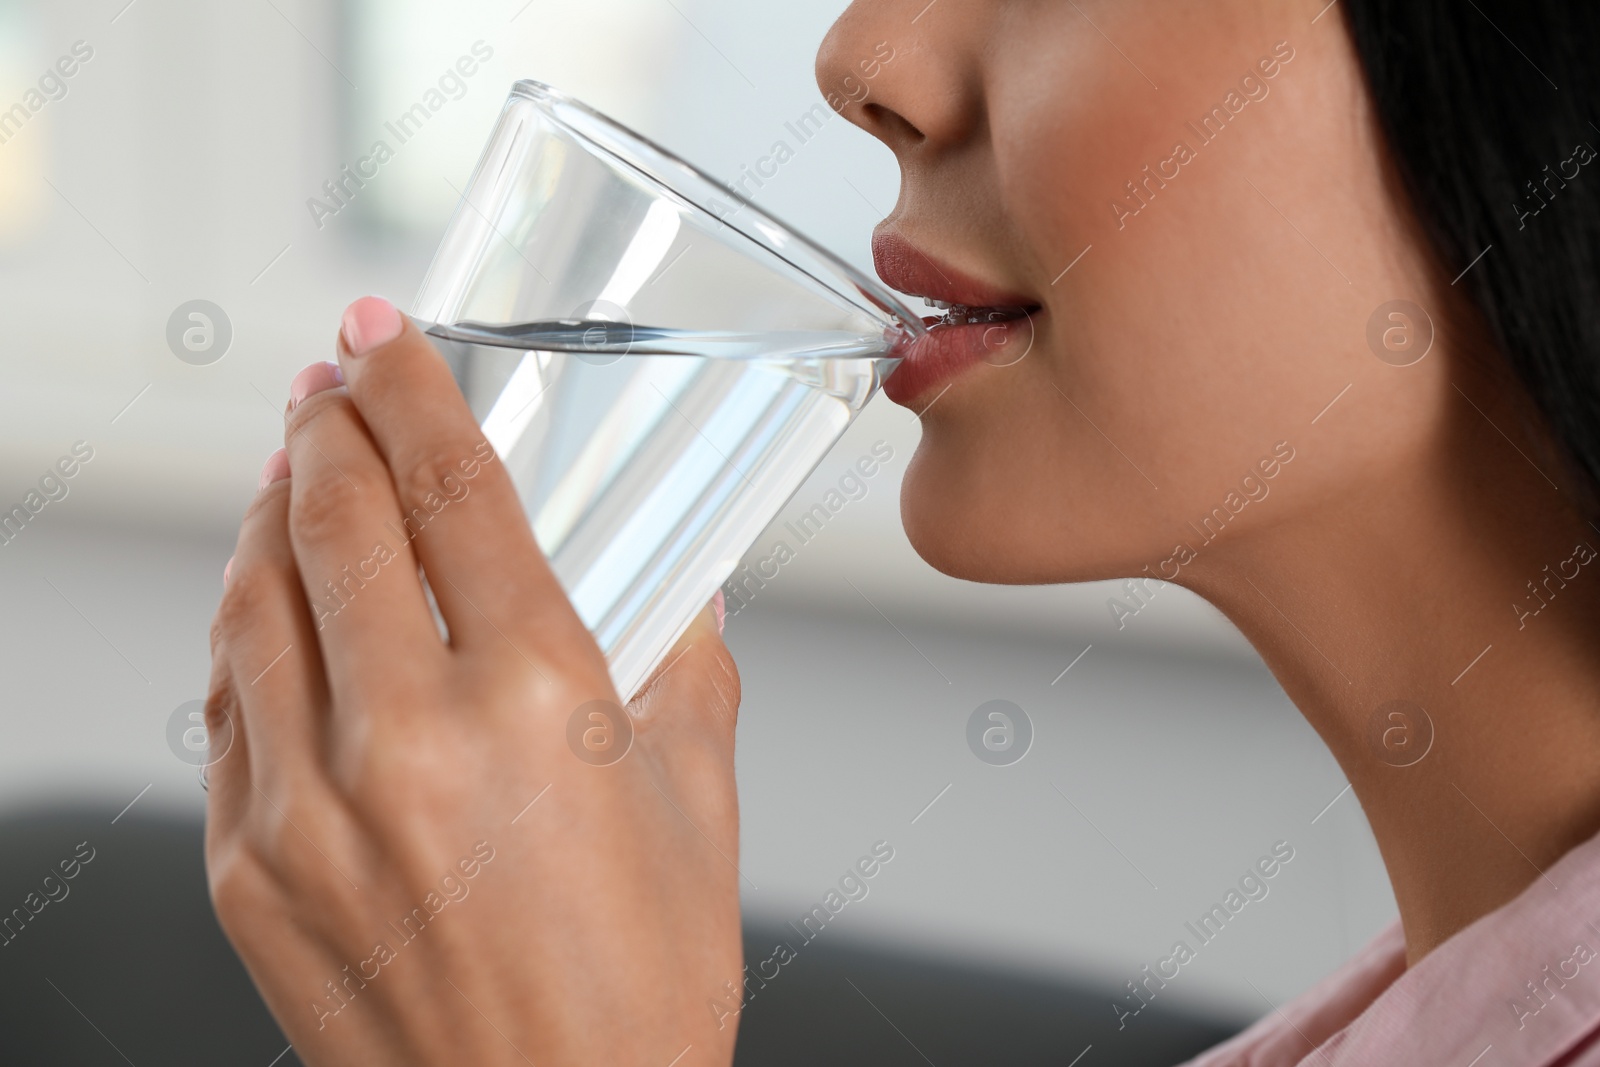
(1518, 988)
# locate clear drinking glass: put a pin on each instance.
(658, 362)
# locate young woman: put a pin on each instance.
(1346, 249)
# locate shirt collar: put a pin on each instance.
(1523, 979)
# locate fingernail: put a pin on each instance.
(276, 469)
(370, 323)
(227, 572)
(317, 378)
(720, 604)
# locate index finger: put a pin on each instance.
(460, 507)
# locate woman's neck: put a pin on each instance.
(1440, 628)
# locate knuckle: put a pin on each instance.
(248, 589)
(411, 769)
(218, 632)
(327, 493)
(533, 700)
(323, 509)
(549, 677)
(241, 885)
(391, 701)
(222, 702)
(298, 836)
(432, 479)
(419, 782)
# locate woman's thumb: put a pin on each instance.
(697, 682)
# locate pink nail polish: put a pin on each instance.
(369, 324)
(317, 378)
(275, 470)
(720, 603)
(227, 572)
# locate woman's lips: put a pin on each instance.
(906, 267)
(946, 351)
(1002, 336)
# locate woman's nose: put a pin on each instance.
(906, 71)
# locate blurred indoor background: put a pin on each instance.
(176, 164)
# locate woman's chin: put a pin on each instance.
(936, 523)
(968, 519)
(955, 531)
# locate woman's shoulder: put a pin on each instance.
(1288, 1034)
(1522, 981)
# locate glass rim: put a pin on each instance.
(548, 98)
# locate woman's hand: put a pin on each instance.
(424, 847)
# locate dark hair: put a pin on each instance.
(1488, 109)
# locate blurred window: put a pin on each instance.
(24, 125)
(432, 77)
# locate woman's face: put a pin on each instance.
(1192, 196)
